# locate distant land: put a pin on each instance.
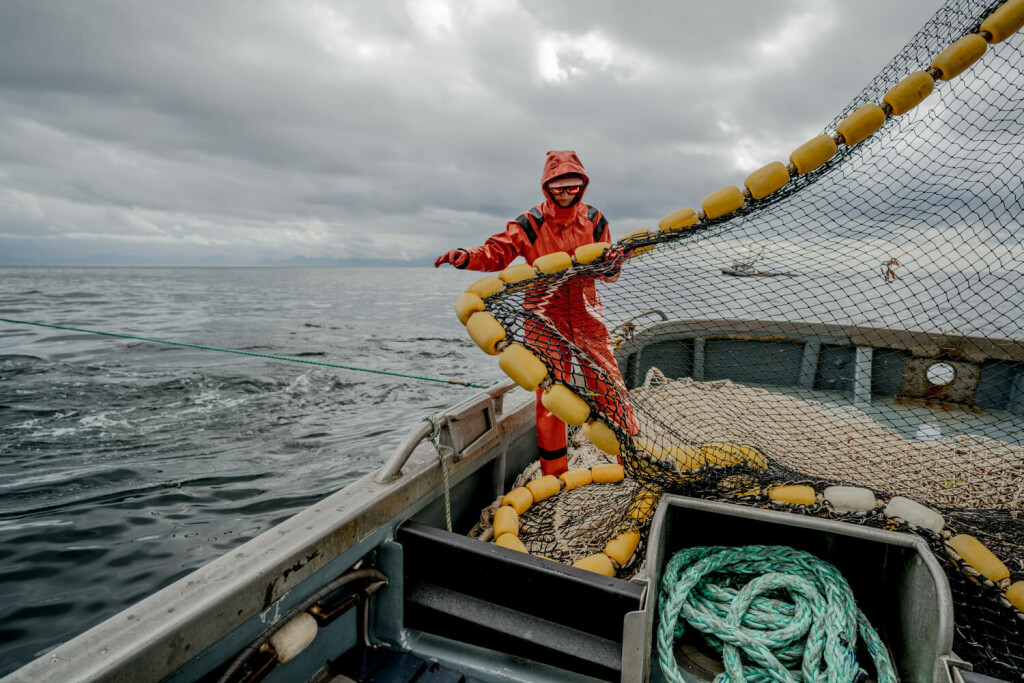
(170, 261)
(302, 261)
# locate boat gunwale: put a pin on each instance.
(920, 342)
(161, 634)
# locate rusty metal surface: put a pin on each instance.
(961, 347)
(960, 389)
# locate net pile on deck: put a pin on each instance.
(902, 227)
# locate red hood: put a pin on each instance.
(559, 163)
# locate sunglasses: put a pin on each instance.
(574, 189)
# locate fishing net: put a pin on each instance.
(859, 326)
(577, 523)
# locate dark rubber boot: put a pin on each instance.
(554, 466)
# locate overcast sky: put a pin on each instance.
(246, 132)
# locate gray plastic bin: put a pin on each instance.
(894, 576)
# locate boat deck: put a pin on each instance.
(919, 419)
(382, 664)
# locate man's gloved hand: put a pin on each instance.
(613, 260)
(457, 257)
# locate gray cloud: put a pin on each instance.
(235, 132)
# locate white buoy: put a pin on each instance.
(294, 637)
(850, 498)
(914, 513)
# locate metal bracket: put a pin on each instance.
(468, 423)
(486, 405)
(954, 666)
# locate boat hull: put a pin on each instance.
(194, 628)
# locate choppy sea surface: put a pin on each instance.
(124, 465)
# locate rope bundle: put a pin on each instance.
(774, 613)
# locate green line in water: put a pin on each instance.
(204, 347)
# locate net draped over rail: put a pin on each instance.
(904, 251)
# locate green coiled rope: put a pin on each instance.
(458, 382)
(775, 614)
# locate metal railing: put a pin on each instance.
(483, 402)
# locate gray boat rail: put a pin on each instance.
(481, 407)
(977, 348)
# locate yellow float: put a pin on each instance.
(523, 366)
(813, 153)
(766, 180)
(723, 202)
(979, 557)
(517, 273)
(909, 92)
(588, 253)
(565, 404)
(485, 287)
(466, 305)
(679, 220)
(602, 436)
(794, 494)
(859, 125)
(486, 331)
(1005, 21)
(553, 263)
(956, 58)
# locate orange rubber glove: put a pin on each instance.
(457, 257)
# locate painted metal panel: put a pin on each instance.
(862, 374)
(996, 385)
(836, 366)
(809, 364)
(673, 358)
(887, 371)
(753, 362)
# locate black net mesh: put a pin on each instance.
(860, 326)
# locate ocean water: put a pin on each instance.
(124, 465)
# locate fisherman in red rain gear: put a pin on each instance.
(562, 223)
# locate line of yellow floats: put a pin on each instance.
(858, 126)
(617, 552)
(523, 366)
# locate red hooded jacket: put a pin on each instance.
(574, 307)
(547, 227)
(571, 305)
